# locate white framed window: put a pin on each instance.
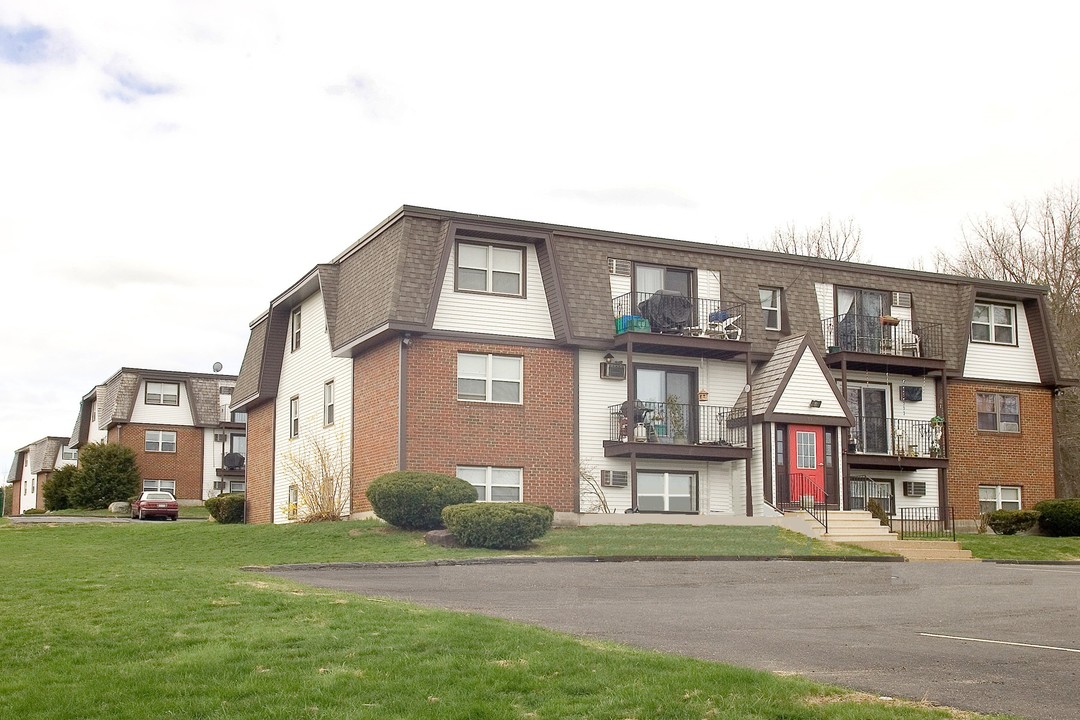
(237, 486)
(495, 269)
(993, 323)
(770, 307)
(998, 497)
(168, 486)
(294, 329)
(328, 403)
(489, 378)
(294, 417)
(67, 453)
(160, 441)
(998, 411)
(493, 484)
(162, 393)
(666, 491)
(292, 507)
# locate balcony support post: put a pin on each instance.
(943, 481)
(845, 439)
(631, 399)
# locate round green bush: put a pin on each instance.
(227, 508)
(1059, 518)
(507, 526)
(415, 500)
(1010, 522)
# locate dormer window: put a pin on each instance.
(294, 329)
(162, 393)
(494, 269)
(993, 323)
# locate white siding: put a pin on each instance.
(94, 433)
(825, 300)
(620, 285)
(497, 314)
(928, 476)
(1004, 362)
(723, 380)
(708, 285)
(303, 374)
(179, 414)
(808, 383)
(211, 461)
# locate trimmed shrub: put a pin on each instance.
(227, 508)
(107, 473)
(415, 500)
(56, 492)
(1010, 522)
(1059, 518)
(506, 526)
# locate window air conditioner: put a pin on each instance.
(914, 489)
(618, 267)
(901, 299)
(613, 370)
(614, 478)
(1009, 427)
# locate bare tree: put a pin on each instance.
(320, 472)
(1036, 242)
(833, 240)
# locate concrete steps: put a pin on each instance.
(923, 550)
(857, 527)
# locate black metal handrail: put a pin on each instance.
(807, 495)
(681, 423)
(880, 335)
(695, 316)
(927, 523)
(899, 437)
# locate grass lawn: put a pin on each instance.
(154, 620)
(1021, 547)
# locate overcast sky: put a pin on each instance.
(167, 168)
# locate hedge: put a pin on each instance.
(1010, 522)
(415, 500)
(1059, 518)
(227, 508)
(507, 526)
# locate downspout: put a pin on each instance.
(845, 442)
(749, 439)
(943, 473)
(403, 348)
(631, 398)
(576, 430)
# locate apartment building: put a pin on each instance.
(32, 466)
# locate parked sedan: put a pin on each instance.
(153, 503)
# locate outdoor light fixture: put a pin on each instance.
(815, 403)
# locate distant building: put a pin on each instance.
(32, 466)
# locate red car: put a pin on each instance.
(153, 503)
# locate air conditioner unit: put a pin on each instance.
(910, 393)
(616, 266)
(613, 370)
(914, 489)
(614, 478)
(1009, 427)
(901, 299)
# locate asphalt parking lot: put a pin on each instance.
(977, 636)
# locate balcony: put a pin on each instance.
(872, 342)
(677, 431)
(896, 443)
(232, 465)
(668, 323)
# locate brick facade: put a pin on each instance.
(537, 436)
(185, 466)
(981, 457)
(375, 419)
(260, 463)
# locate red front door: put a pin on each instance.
(807, 443)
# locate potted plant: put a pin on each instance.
(676, 415)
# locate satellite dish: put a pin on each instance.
(217, 367)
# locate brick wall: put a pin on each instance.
(185, 466)
(375, 419)
(444, 432)
(260, 463)
(980, 457)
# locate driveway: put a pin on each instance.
(978, 636)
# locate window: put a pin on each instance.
(162, 393)
(493, 484)
(239, 417)
(159, 486)
(238, 444)
(294, 417)
(489, 378)
(770, 307)
(292, 507)
(328, 403)
(667, 492)
(806, 450)
(295, 329)
(493, 269)
(998, 497)
(160, 441)
(67, 453)
(991, 323)
(998, 412)
(237, 486)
